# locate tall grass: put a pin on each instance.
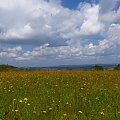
(60, 95)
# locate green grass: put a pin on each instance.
(60, 95)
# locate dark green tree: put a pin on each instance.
(117, 67)
(99, 67)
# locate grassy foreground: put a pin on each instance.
(60, 95)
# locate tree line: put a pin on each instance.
(100, 67)
(10, 67)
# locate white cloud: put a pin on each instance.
(111, 41)
(91, 24)
(107, 5)
(45, 51)
(58, 32)
(42, 22)
(10, 52)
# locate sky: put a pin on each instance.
(39, 33)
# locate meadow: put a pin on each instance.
(60, 95)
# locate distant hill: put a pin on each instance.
(7, 67)
(75, 67)
(63, 67)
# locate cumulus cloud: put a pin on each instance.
(10, 52)
(109, 12)
(57, 32)
(47, 52)
(44, 22)
(107, 5)
(91, 24)
(111, 42)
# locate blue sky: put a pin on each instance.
(72, 4)
(59, 32)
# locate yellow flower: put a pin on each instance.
(25, 99)
(20, 101)
(28, 104)
(64, 114)
(102, 113)
(16, 110)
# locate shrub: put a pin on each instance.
(117, 67)
(99, 67)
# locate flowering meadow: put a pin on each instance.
(60, 95)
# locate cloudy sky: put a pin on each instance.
(59, 32)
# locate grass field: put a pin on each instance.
(60, 95)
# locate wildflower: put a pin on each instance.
(20, 101)
(16, 110)
(25, 99)
(67, 103)
(102, 113)
(50, 108)
(28, 104)
(44, 111)
(64, 114)
(80, 112)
